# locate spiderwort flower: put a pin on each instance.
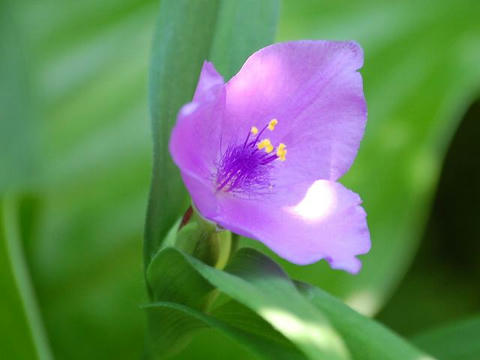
(262, 153)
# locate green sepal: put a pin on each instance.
(201, 238)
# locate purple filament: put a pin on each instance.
(245, 168)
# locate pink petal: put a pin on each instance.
(195, 140)
(327, 223)
(208, 83)
(314, 90)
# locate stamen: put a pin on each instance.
(244, 169)
(282, 151)
(265, 144)
(272, 124)
(268, 159)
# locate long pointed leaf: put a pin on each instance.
(261, 285)
(22, 335)
(179, 287)
(458, 341)
(421, 71)
(189, 32)
(365, 338)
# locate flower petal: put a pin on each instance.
(203, 196)
(195, 140)
(327, 223)
(314, 90)
(208, 82)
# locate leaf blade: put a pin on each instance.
(272, 296)
(457, 341)
(22, 332)
(176, 285)
(173, 74)
(365, 338)
(415, 100)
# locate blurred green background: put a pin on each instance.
(75, 167)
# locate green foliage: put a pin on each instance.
(317, 324)
(421, 71)
(443, 279)
(189, 32)
(18, 138)
(21, 332)
(262, 286)
(365, 338)
(182, 42)
(88, 63)
(458, 341)
(74, 131)
(180, 295)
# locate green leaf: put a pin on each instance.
(458, 341)
(182, 42)
(18, 130)
(189, 32)
(89, 66)
(22, 335)
(181, 294)
(364, 337)
(421, 71)
(241, 317)
(169, 322)
(88, 63)
(259, 284)
(172, 280)
(21, 332)
(242, 28)
(317, 323)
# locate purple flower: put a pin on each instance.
(262, 153)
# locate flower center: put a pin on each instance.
(245, 168)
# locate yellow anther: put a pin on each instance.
(272, 124)
(254, 130)
(281, 151)
(265, 144)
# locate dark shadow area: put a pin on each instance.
(443, 283)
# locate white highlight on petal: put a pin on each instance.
(318, 203)
(189, 109)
